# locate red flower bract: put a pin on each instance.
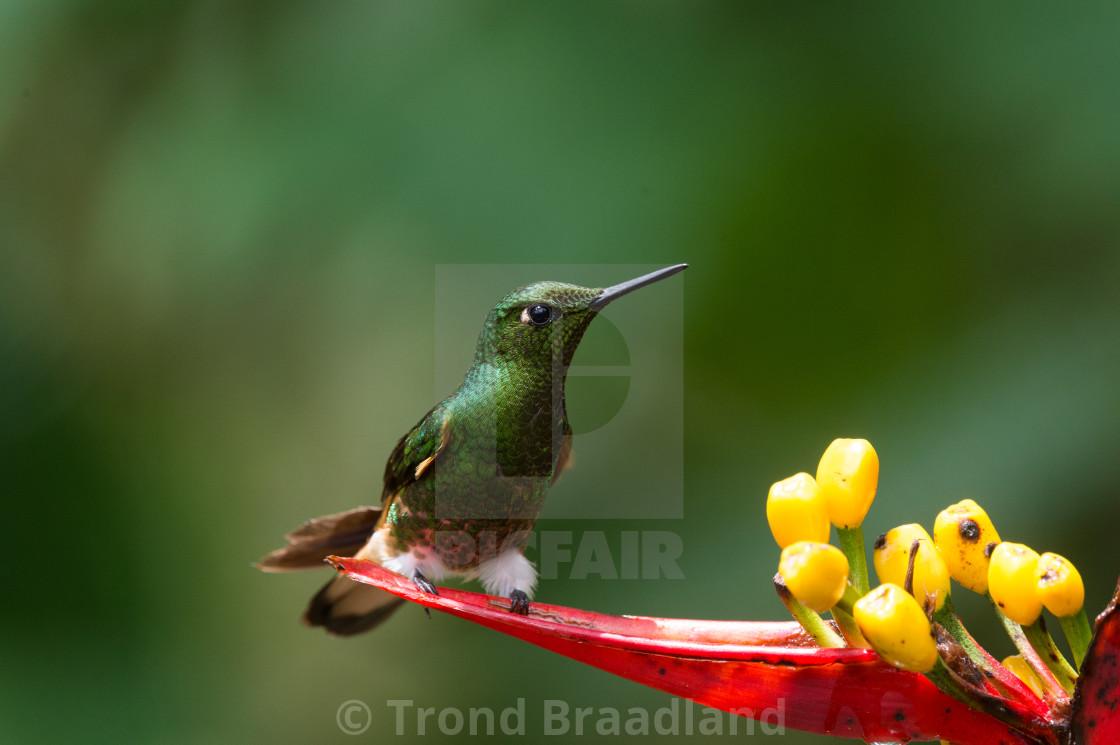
(735, 666)
(1096, 702)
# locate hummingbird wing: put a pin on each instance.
(417, 451)
(345, 533)
(345, 607)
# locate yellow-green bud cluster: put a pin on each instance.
(801, 511)
(1022, 582)
(915, 572)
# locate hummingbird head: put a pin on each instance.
(542, 323)
(538, 324)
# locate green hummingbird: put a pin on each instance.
(464, 487)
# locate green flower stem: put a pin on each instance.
(810, 620)
(949, 621)
(1078, 634)
(848, 599)
(1039, 639)
(816, 626)
(851, 543)
(942, 677)
(849, 628)
(1052, 685)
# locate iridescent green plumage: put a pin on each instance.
(464, 487)
(495, 442)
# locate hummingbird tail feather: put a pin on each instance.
(340, 534)
(345, 607)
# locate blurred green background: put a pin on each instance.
(219, 232)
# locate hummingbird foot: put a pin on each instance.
(425, 585)
(519, 603)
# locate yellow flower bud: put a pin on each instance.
(1013, 582)
(965, 536)
(815, 573)
(892, 558)
(848, 475)
(796, 511)
(1059, 585)
(897, 628)
(1024, 672)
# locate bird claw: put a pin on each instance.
(425, 585)
(519, 603)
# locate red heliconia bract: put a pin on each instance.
(1096, 701)
(758, 666)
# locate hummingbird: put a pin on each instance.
(464, 487)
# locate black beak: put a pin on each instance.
(617, 291)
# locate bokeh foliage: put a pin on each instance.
(219, 225)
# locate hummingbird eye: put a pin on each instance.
(537, 315)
